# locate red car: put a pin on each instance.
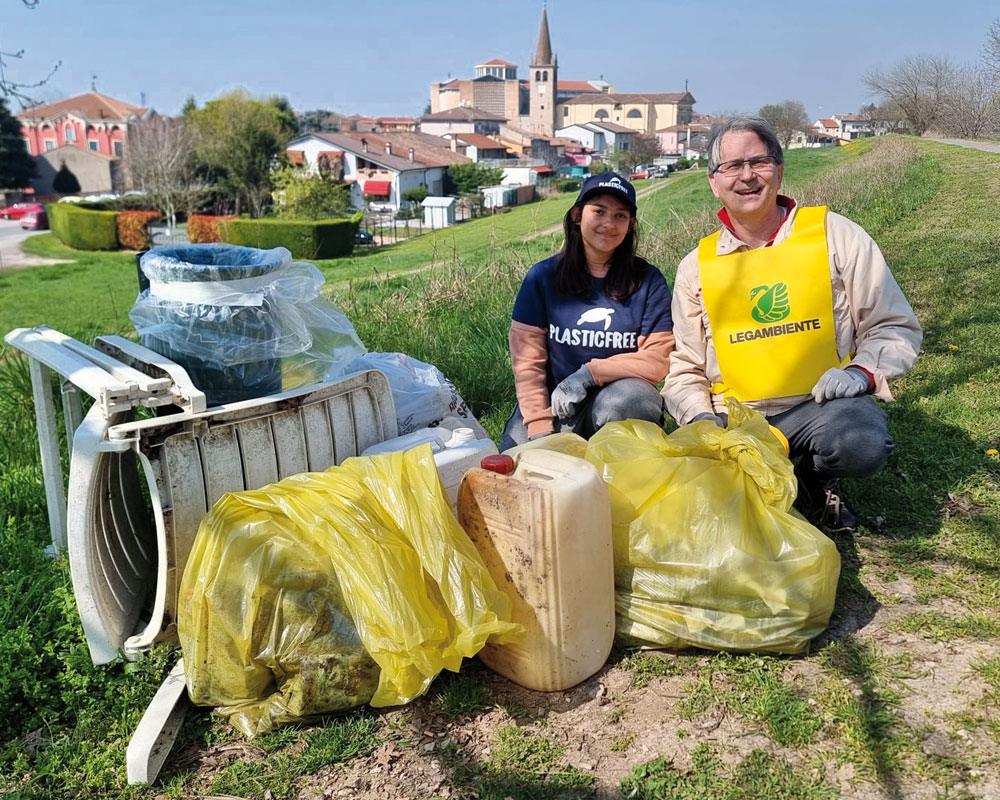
(18, 210)
(35, 221)
(640, 175)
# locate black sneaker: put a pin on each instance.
(821, 501)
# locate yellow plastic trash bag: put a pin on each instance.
(331, 589)
(571, 444)
(708, 552)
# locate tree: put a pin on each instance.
(786, 118)
(65, 181)
(238, 140)
(642, 151)
(159, 160)
(972, 109)
(320, 121)
(16, 89)
(468, 177)
(918, 85)
(16, 167)
(991, 50)
(299, 195)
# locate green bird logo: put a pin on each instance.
(770, 303)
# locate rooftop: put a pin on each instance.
(91, 106)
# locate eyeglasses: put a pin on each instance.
(759, 164)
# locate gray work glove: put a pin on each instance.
(571, 391)
(836, 383)
(716, 418)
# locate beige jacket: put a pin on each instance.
(871, 317)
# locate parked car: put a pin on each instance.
(640, 175)
(363, 237)
(18, 210)
(35, 221)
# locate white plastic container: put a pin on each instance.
(455, 452)
(544, 532)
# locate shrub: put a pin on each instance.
(417, 194)
(77, 226)
(327, 238)
(133, 229)
(568, 184)
(299, 195)
(204, 228)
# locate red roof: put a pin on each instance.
(378, 188)
(829, 123)
(576, 86)
(543, 170)
(496, 62)
(480, 141)
(90, 106)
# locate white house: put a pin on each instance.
(617, 137)
(380, 165)
(479, 147)
(854, 126)
(585, 133)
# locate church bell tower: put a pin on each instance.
(542, 78)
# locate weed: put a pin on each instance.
(941, 627)
(760, 775)
(752, 687)
(456, 695)
(645, 666)
(620, 742)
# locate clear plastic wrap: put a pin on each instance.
(332, 589)
(708, 551)
(244, 322)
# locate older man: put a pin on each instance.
(792, 310)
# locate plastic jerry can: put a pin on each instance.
(544, 531)
(455, 452)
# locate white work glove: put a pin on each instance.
(706, 415)
(835, 383)
(570, 391)
(541, 435)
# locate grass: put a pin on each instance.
(931, 521)
(760, 775)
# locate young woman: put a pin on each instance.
(591, 333)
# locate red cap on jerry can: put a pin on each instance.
(499, 463)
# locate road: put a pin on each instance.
(989, 147)
(11, 255)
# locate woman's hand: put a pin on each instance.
(570, 391)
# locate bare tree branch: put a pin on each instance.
(17, 89)
(918, 85)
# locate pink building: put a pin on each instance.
(92, 121)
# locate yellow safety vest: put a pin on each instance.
(771, 312)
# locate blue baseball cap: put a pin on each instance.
(608, 183)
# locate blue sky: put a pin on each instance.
(378, 57)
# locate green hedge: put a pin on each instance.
(83, 228)
(324, 238)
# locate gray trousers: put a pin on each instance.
(843, 438)
(628, 398)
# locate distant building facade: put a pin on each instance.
(91, 121)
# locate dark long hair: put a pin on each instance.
(625, 274)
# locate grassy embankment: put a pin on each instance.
(929, 552)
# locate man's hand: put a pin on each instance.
(570, 391)
(705, 415)
(836, 383)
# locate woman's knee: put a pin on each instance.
(628, 398)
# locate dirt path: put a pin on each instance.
(12, 256)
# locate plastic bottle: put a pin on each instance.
(544, 532)
(455, 452)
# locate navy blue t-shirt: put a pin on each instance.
(598, 327)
